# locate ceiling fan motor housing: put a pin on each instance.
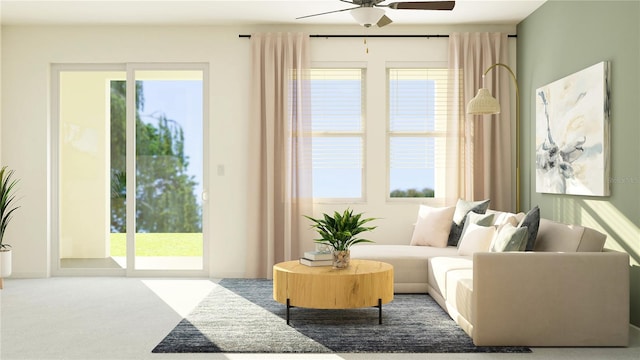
(366, 2)
(369, 12)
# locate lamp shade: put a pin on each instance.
(367, 16)
(483, 104)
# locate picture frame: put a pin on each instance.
(572, 133)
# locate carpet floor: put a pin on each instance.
(240, 316)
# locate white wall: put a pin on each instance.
(27, 53)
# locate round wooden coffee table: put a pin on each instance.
(364, 283)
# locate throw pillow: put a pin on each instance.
(463, 207)
(511, 220)
(509, 238)
(476, 238)
(433, 225)
(477, 219)
(532, 222)
(502, 216)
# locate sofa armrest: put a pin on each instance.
(550, 299)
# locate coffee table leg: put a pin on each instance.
(379, 310)
(288, 307)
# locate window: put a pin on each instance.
(416, 131)
(337, 133)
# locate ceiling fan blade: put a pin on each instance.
(384, 20)
(423, 5)
(325, 13)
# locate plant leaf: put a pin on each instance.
(340, 230)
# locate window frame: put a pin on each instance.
(347, 134)
(439, 176)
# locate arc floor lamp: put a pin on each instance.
(485, 104)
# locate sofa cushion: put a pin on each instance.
(475, 238)
(532, 222)
(432, 226)
(381, 252)
(410, 263)
(463, 207)
(509, 238)
(557, 237)
(460, 291)
(441, 265)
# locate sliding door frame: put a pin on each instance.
(54, 160)
(131, 166)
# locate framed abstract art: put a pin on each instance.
(572, 133)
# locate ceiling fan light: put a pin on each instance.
(367, 16)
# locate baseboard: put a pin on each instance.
(227, 275)
(27, 275)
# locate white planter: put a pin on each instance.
(5, 263)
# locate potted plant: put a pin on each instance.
(7, 207)
(339, 232)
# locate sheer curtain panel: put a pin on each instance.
(280, 153)
(486, 154)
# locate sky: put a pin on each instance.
(181, 101)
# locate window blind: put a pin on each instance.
(418, 100)
(336, 100)
(417, 105)
(337, 132)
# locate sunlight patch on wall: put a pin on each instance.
(622, 233)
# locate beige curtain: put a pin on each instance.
(485, 148)
(280, 155)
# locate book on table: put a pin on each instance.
(309, 262)
(317, 255)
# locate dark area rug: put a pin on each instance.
(240, 316)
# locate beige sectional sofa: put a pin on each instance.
(569, 291)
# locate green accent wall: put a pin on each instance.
(559, 39)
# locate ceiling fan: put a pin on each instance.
(369, 12)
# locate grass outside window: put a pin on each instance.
(159, 244)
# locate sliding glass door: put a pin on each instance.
(169, 169)
(84, 110)
(129, 155)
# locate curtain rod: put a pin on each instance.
(375, 36)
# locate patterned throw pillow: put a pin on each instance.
(463, 207)
(532, 222)
(509, 238)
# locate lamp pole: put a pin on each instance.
(515, 82)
